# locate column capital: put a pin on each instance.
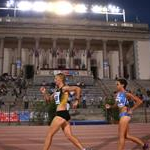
(88, 44)
(2, 37)
(1, 43)
(19, 37)
(88, 39)
(104, 40)
(54, 39)
(54, 42)
(120, 41)
(37, 39)
(71, 39)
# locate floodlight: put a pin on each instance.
(80, 8)
(104, 9)
(113, 9)
(39, 6)
(62, 8)
(50, 7)
(10, 3)
(96, 9)
(24, 5)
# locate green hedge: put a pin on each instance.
(112, 114)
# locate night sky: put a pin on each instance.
(136, 10)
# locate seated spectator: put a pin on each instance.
(81, 84)
(139, 93)
(44, 83)
(148, 92)
(84, 101)
(3, 89)
(116, 77)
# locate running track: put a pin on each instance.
(99, 137)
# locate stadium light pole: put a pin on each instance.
(106, 17)
(15, 6)
(124, 17)
(108, 10)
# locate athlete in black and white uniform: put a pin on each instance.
(61, 120)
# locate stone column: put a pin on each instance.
(33, 56)
(105, 60)
(18, 60)
(121, 71)
(50, 61)
(36, 53)
(54, 53)
(71, 46)
(41, 58)
(88, 46)
(1, 55)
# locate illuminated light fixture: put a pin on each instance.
(113, 9)
(50, 7)
(80, 8)
(104, 9)
(97, 9)
(39, 6)
(10, 3)
(62, 8)
(24, 5)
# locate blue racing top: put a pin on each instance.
(121, 99)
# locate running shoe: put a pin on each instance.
(146, 147)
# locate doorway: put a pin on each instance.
(94, 72)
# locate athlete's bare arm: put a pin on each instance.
(46, 95)
(77, 91)
(136, 99)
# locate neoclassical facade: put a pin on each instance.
(105, 49)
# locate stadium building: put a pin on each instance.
(105, 49)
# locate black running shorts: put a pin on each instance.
(63, 114)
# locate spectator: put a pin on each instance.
(148, 92)
(84, 101)
(116, 77)
(44, 83)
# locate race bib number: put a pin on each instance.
(57, 98)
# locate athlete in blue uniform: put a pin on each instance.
(122, 103)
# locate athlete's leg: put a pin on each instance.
(123, 124)
(54, 127)
(68, 133)
(132, 138)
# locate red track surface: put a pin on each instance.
(98, 137)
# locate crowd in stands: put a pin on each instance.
(3, 89)
(144, 96)
(13, 86)
(19, 87)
